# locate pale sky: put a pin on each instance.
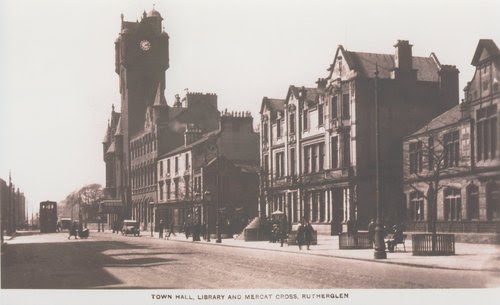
(57, 79)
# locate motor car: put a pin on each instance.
(131, 226)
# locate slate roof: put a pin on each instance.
(312, 94)
(201, 140)
(273, 104)
(364, 63)
(487, 44)
(447, 118)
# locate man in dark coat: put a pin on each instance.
(161, 227)
(73, 230)
(371, 230)
(301, 234)
(308, 233)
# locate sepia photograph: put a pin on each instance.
(249, 152)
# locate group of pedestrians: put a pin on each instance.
(305, 233)
(169, 230)
(396, 231)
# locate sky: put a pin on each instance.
(57, 79)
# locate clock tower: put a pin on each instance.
(141, 60)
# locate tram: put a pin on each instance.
(48, 217)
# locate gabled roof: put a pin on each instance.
(312, 94)
(364, 64)
(119, 130)
(111, 149)
(273, 104)
(447, 118)
(205, 137)
(487, 45)
(107, 136)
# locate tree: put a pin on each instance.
(87, 196)
(430, 158)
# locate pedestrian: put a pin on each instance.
(160, 229)
(170, 230)
(187, 229)
(371, 231)
(396, 238)
(308, 234)
(283, 230)
(73, 230)
(301, 234)
(352, 228)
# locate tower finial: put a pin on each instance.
(112, 107)
(121, 15)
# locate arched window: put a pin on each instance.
(416, 207)
(452, 204)
(492, 201)
(472, 202)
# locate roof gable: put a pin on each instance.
(486, 50)
(447, 118)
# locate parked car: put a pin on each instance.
(131, 226)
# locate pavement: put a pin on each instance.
(475, 257)
(468, 256)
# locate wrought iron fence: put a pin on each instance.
(422, 244)
(360, 240)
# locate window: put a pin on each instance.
(305, 119)
(314, 212)
(186, 186)
(176, 188)
(416, 206)
(451, 153)
(430, 153)
(452, 204)
(169, 195)
(292, 161)
(415, 157)
(492, 201)
(161, 168)
(168, 166)
(292, 123)
(486, 127)
(346, 161)
(335, 152)
(320, 115)
(176, 165)
(280, 164)
(314, 158)
(266, 164)
(472, 202)
(321, 155)
(322, 212)
(306, 159)
(265, 133)
(186, 161)
(335, 106)
(161, 191)
(345, 106)
(278, 128)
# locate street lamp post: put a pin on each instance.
(207, 198)
(379, 230)
(151, 205)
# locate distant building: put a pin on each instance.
(13, 208)
(317, 144)
(147, 126)
(459, 149)
(215, 168)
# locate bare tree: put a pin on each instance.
(87, 196)
(429, 159)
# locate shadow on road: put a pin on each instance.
(73, 265)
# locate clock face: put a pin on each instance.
(145, 45)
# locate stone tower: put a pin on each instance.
(141, 60)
